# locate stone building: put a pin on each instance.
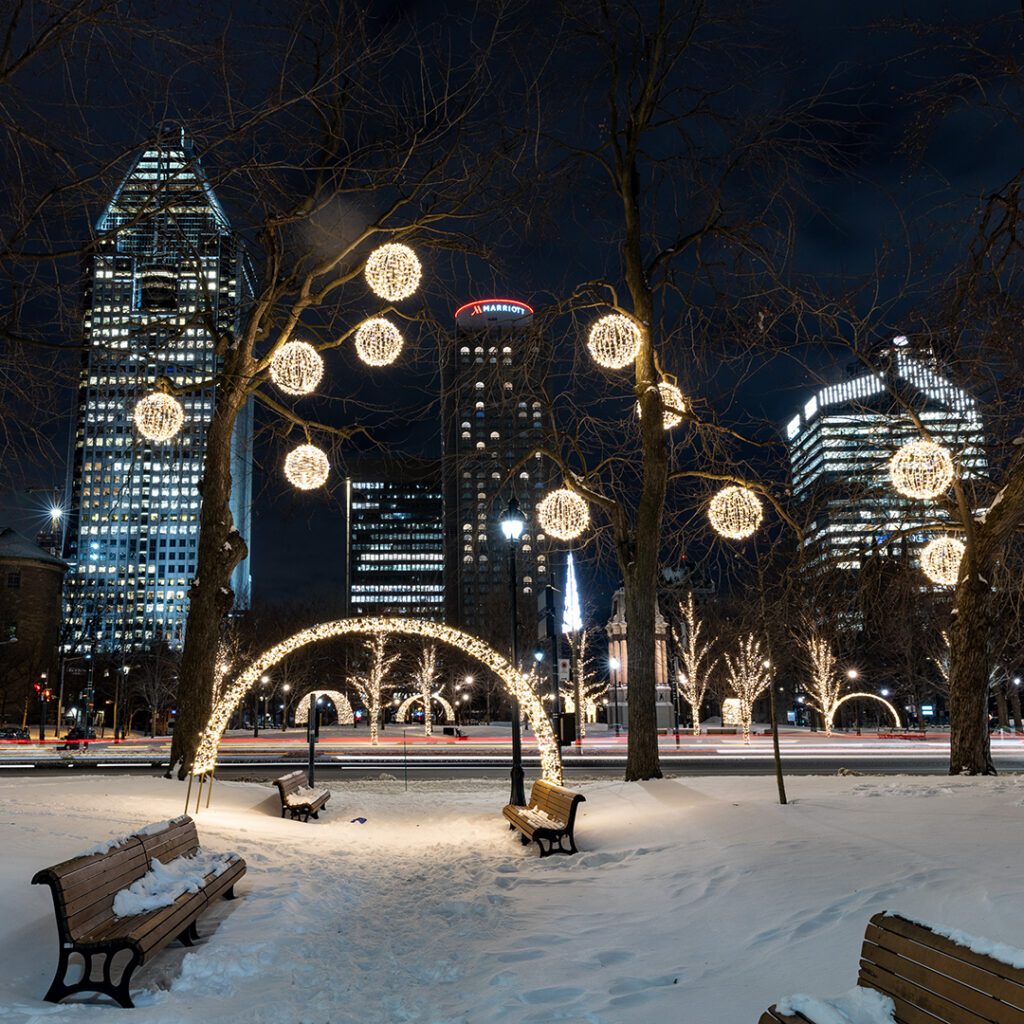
(31, 581)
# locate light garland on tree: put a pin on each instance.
(673, 405)
(563, 514)
(735, 512)
(516, 683)
(614, 341)
(749, 676)
(297, 368)
(393, 271)
(306, 467)
(378, 342)
(158, 417)
(940, 560)
(341, 704)
(921, 469)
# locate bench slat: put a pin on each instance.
(979, 990)
(927, 1006)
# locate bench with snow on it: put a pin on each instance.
(298, 799)
(549, 817)
(132, 895)
(913, 974)
(903, 734)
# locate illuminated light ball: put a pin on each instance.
(563, 514)
(306, 467)
(393, 271)
(673, 404)
(297, 368)
(378, 342)
(158, 417)
(614, 341)
(735, 512)
(940, 560)
(921, 469)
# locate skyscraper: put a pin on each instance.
(165, 274)
(394, 541)
(841, 442)
(493, 416)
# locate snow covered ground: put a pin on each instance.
(698, 901)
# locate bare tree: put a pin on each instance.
(374, 686)
(826, 683)
(693, 684)
(749, 675)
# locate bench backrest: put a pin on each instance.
(555, 801)
(84, 887)
(932, 979)
(290, 783)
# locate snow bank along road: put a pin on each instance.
(697, 901)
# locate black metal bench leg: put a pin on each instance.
(119, 991)
(229, 893)
(185, 936)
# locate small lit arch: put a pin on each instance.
(517, 684)
(402, 714)
(341, 704)
(869, 696)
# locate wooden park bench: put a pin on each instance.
(84, 888)
(298, 799)
(548, 818)
(931, 979)
(903, 734)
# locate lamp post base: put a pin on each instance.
(517, 796)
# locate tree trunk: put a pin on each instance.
(428, 712)
(1004, 718)
(221, 548)
(969, 673)
(1015, 708)
(642, 750)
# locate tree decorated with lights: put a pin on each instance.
(826, 683)
(426, 674)
(749, 675)
(698, 665)
(348, 179)
(583, 697)
(374, 684)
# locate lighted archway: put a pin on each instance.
(402, 714)
(516, 683)
(341, 704)
(870, 696)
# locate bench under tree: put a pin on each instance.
(930, 978)
(112, 947)
(298, 799)
(549, 818)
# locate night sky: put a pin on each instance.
(870, 62)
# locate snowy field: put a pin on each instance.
(696, 901)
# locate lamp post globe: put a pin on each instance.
(512, 524)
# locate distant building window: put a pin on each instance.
(14, 580)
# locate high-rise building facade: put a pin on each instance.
(841, 442)
(493, 416)
(394, 541)
(165, 273)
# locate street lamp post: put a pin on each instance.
(261, 699)
(614, 664)
(852, 674)
(512, 523)
(286, 689)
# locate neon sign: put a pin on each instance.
(486, 307)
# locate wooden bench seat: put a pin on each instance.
(83, 891)
(297, 799)
(549, 817)
(931, 979)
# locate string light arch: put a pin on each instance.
(735, 512)
(378, 342)
(297, 368)
(940, 560)
(517, 684)
(341, 703)
(563, 514)
(921, 469)
(614, 341)
(868, 696)
(158, 416)
(402, 714)
(307, 467)
(393, 271)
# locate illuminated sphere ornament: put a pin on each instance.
(393, 271)
(306, 467)
(921, 469)
(378, 342)
(297, 368)
(563, 514)
(614, 341)
(673, 404)
(735, 512)
(158, 417)
(940, 560)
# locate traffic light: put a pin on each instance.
(38, 687)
